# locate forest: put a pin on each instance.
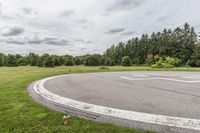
(168, 48)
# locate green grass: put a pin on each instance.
(20, 114)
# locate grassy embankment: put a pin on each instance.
(20, 114)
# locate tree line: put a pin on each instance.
(181, 43)
(47, 60)
(177, 47)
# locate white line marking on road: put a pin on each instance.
(139, 75)
(178, 80)
(170, 79)
(123, 114)
(124, 77)
(192, 77)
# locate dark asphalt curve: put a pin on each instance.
(174, 94)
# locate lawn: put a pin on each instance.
(20, 114)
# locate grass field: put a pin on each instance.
(20, 114)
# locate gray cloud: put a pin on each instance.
(27, 10)
(15, 41)
(127, 33)
(85, 23)
(12, 31)
(121, 5)
(95, 50)
(83, 41)
(49, 41)
(162, 18)
(55, 41)
(83, 49)
(67, 13)
(36, 41)
(82, 21)
(115, 30)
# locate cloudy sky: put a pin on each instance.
(78, 27)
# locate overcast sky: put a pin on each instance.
(78, 27)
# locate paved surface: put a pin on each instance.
(162, 94)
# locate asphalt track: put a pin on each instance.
(166, 102)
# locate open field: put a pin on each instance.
(19, 113)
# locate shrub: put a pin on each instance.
(166, 65)
(150, 59)
(156, 58)
(126, 61)
(159, 63)
(155, 66)
(173, 61)
(162, 64)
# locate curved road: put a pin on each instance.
(160, 101)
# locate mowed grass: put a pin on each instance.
(20, 114)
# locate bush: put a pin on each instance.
(155, 66)
(173, 61)
(126, 61)
(156, 58)
(150, 59)
(166, 65)
(162, 64)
